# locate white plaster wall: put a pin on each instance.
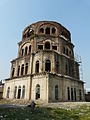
(17, 82)
(42, 80)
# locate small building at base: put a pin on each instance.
(1, 89)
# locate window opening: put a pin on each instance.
(54, 47)
(19, 92)
(37, 91)
(56, 92)
(37, 66)
(40, 47)
(48, 66)
(47, 45)
(48, 30)
(53, 30)
(22, 69)
(26, 68)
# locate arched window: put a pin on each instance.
(22, 69)
(56, 92)
(48, 66)
(69, 68)
(67, 51)
(68, 93)
(23, 92)
(8, 92)
(64, 50)
(37, 91)
(37, 66)
(47, 30)
(19, 92)
(47, 45)
(13, 72)
(26, 48)
(22, 52)
(70, 52)
(75, 94)
(71, 93)
(80, 94)
(15, 91)
(18, 71)
(29, 49)
(41, 30)
(66, 69)
(53, 30)
(26, 68)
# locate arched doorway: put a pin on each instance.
(37, 91)
(19, 92)
(8, 92)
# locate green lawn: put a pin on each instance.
(25, 113)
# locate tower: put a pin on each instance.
(45, 68)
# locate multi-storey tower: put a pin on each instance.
(45, 68)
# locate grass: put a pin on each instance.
(42, 113)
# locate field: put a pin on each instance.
(79, 112)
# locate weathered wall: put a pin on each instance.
(17, 82)
(42, 80)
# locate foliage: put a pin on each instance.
(42, 113)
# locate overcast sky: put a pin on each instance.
(15, 15)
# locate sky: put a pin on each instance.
(15, 15)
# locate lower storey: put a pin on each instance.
(44, 87)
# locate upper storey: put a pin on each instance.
(46, 28)
(45, 35)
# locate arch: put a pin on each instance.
(64, 50)
(67, 51)
(22, 52)
(53, 30)
(75, 94)
(22, 69)
(26, 68)
(68, 93)
(72, 94)
(8, 92)
(13, 72)
(37, 91)
(41, 30)
(66, 68)
(15, 91)
(26, 49)
(80, 94)
(23, 92)
(47, 45)
(48, 65)
(37, 67)
(29, 49)
(47, 31)
(19, 92)
(18, 71)
(56, 92)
